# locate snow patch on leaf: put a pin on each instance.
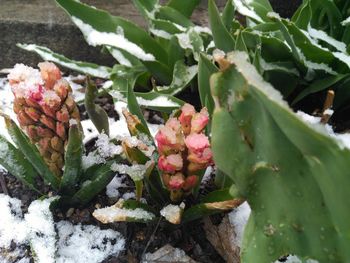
(96, 38)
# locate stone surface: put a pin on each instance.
(44, 23)
(168, 254)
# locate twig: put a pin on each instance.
(3, 184)
(151, 238)
(327, 106)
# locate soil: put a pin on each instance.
(140, 238)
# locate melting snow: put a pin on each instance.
(117, 39)
(238, 219)
(343, 140)
(47, 54)
(244, 9)
(76, 244)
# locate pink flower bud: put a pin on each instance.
(170, 163)
(187, 112)
(169, 138)
(199, 121)
(203, 157)
(190, 182)
(176, 181)
(197, 142)
(50, 73)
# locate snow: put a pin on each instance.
(73, 122)
(295, 259)
(240, 60)
(243, 8)
(95, 38)
(322, 35)
(207, 176)
(115, 214)
(105, 149)
(135, 171)
(76, 243)
(46, 54)
(238, 219)
(160, 33)
(86, 244)
(343, 140)
(41, 230)
(157, 101)
(172, 213)
(346, 21)
(114, 185)
(120, 57)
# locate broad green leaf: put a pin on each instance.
(32, 154)
(72, 160)
(319, 85)
(101, 28)
(222, 38)
(182, 77)
(17, 164)
(293, 176)
(124, 58)
(303, 15)
(186, 7)
(173, 15)
(145, 7)
(83, 67)
(205, 69)
(256, 9)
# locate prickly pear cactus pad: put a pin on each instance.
(294, 176)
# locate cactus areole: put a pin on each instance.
(44, 107)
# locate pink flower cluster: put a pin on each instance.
(44, 88)
(184, 149)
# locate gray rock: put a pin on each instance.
(168, 254)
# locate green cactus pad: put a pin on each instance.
(294, 177)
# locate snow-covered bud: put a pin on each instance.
(169, 138)
(44, 105)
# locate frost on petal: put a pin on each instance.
(50, 73)
(199, 121)
(170, 163)
(197, 142)
(50, 99)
